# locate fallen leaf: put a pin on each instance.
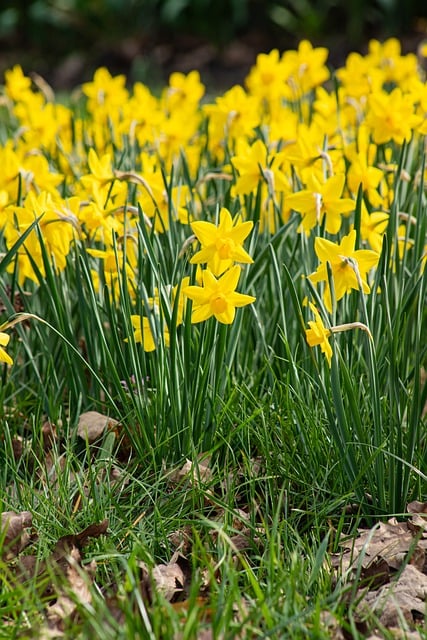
(386, 546)
(196, 472)
(171, 579)
(13, 532)
(49, 571)
(401, 599)
(92, 425)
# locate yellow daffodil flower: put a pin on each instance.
(253, 167)
(222, 244)
(217, 297)
(306, 69)
(391, 116)
(318, 334)
(320, 201)
(143, 334)
(349, 266)
(183, 91)
(232, 116)
(372, 227)
(4, 340)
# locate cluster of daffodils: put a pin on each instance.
(290, 146)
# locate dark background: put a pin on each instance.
(65, 40)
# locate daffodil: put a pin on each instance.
(217, 297)
(318, 334)
(349, 266)
(17, 85)
(305, 69)
(105, 93)
(101, 170)
(232, 116)
(320, 201)
(4, 340)
(391, 116)
(372, 227)
(163, 202)
(183, 91)
(253, 167)
(362, 155)
(55, 227)
(222, 244)
(143, 333)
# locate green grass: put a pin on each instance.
(279, 443)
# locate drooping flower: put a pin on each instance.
(4, 341)
(217, 297)
(222, 244)
(318, 334)
(349, 266)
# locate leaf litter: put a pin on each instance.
(384, 568)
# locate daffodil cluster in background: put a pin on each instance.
(293, 151)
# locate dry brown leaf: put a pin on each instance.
(182, 540)
(13, 532)
(171, 579)
(49, 435)
(403, 599)
(386, 546)
(197, 473)
(330, 624)
(56, 565)
(390, 562)
(92, 425)
(76, 590)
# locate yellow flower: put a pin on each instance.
(391, 116)
(222, 244)
(143, 333)
(362, 154)
(306, 69)
(4, 340)
(56, 229)
(232, 116)
(320, 201)
(101, 170)
(318, 334)
(217, 297)
(266, 78)
(17, 85)
(372, 227)
(252, 165)
(349, 266)
(171, 293)
(163, 202)
(184, 91)
(104, 93)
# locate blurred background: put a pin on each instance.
(65, 40)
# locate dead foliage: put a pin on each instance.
(61, 580)
(385, 569)
(64, 579)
